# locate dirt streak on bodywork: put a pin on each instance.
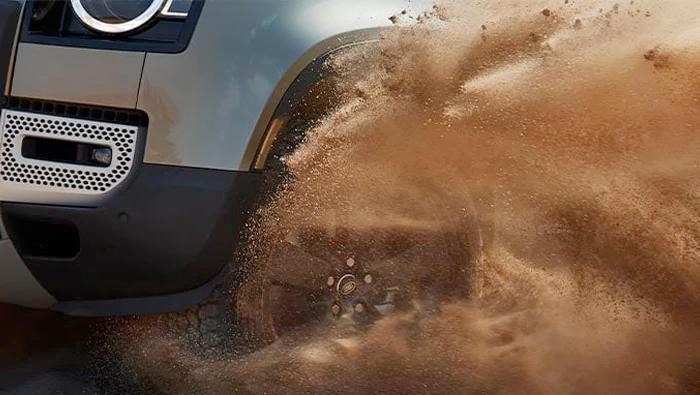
(570, 130)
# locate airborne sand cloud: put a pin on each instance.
(570, 129)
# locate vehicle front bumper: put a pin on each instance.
(171, 229)
(156, 244)
(17, 285)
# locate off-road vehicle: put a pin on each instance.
(135, 135)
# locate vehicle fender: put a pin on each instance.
(210, 105)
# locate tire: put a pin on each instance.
(302, 281)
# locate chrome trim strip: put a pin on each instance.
(166, 12)
(154, 9)
(270, 135)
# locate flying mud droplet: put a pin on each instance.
(658, 57)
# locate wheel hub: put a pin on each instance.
(364, 279)
(346, 285)
(356, 293)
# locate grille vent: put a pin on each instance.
(18, 172)
(86, 112)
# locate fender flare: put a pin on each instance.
(293, 87)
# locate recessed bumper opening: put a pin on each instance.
(45, 239)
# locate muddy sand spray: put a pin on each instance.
(573, 128)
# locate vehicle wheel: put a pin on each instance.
(317, 277)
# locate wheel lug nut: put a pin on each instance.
(330, 281)
(335, 309)
(368, 278)
(350, 262)
(359, 308)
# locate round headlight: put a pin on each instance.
(116, 16)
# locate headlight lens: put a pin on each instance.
(116, 16)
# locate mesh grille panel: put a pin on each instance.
(19, 172)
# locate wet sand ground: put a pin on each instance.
(42, 351)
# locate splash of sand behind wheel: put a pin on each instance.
(571, 130)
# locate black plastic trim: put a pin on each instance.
(160, 304)
(173, 39)
(311, 96)
(171, 230)
(9, 18)
(79, 111)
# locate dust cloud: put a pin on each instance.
(571, 131)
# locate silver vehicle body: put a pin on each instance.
(208, 109)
